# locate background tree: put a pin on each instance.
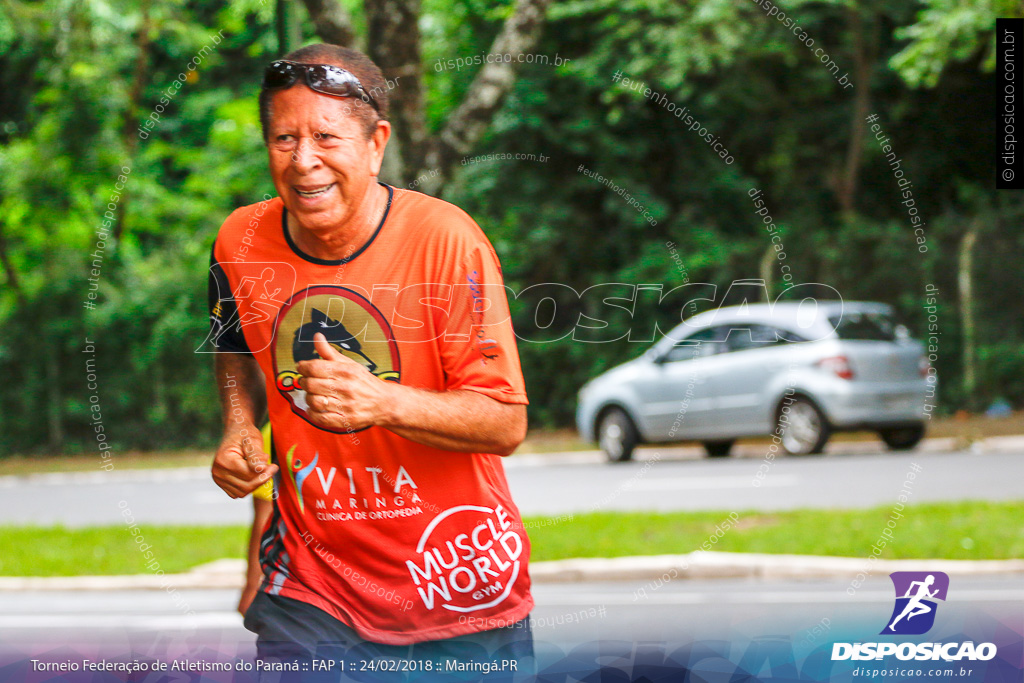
(78, 78)
(393, 42)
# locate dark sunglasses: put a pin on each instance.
(322, 78)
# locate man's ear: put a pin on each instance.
(378, 142)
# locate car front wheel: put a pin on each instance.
(617, 435)
(902, 438)
(804, 428)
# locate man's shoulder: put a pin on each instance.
(439, 221)
(240, 228)
(250, 217)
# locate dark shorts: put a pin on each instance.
(288, 630)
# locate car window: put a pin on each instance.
(862, 325)
(761, 336)
(701, 344)
(745, 337)
(684, 350)
(782, 336)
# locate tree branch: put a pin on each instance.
(394, 44)
(13, 281)
(470, 120)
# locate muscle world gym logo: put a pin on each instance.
(914, 614)
(468, 559)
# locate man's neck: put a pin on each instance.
(344, 242)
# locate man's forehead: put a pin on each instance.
(300, 105)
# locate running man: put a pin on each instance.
(371, 323)
(915, 606)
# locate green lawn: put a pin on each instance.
(56, 551)
(969, 530)
(90, 462)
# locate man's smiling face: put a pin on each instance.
(321, 160)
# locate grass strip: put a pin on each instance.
(962, 531)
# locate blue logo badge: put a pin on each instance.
(916, 593)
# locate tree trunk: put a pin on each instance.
(331, 21)
(289, 33)
(965, 280)
(846, 192)
(131, 120)
(54, 399)
(766, 269)
(160, 403)
(394, 43)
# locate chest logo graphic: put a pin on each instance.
(467, 559)
(352, 325)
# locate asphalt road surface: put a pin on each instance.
(806, 613)
(662, 479)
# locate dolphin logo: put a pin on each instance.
(298, 474)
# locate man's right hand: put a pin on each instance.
(240, 466)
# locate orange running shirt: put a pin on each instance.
(403, 542)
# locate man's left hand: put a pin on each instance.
(341, 393)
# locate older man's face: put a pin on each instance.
(320, 159)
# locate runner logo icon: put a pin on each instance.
(916, 593)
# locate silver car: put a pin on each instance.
(795, 371)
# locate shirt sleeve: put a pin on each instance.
(225, 325)
(478, 348)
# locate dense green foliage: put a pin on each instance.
(80, 78)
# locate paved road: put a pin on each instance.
(663, 479)
(845, 480)
(674, 612)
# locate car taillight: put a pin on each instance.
(838, 365)
(924, 366)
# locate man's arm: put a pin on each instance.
(262, 510)
(457, 420)
(343, 395)
(241, 389)
(240, 465)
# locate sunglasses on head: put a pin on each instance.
(322, 78)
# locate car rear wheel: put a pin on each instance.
(902, 438)
(804, 428)
(617, 435)
(718, 449)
